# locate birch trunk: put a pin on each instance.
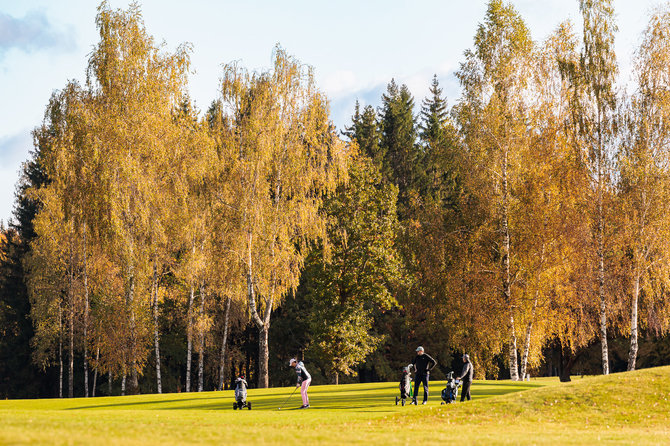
(529, 329)
(86, 310)
(526, 347)
(109, 384)
(263, 357)
(60, 351)
(601, 294)
(95, 374)
(601, 255)
(224, 344)
(263, 329)
(201, 354)
(507, 292)
(189, 339)
(70, 378)
(159, 384)
(134, 385)
(632, 355)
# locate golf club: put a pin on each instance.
(289, 397)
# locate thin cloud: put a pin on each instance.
(32, 33)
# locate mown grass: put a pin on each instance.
(622, 408)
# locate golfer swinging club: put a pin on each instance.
(423, 364)
(304, 379)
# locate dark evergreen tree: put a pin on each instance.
(402, 155)
(441, 162)
(364, 130)
(434, 115)
(19, 377)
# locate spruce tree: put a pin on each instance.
(441, 150)
(20, 379)
(434, 117)
(364, 130)
(402, 154)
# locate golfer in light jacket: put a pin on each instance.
(304, 379)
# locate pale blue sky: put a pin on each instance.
(356, 47)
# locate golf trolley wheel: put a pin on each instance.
(249, 406)
(396, 400)
(234, 406)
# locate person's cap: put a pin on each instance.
(419, 349)
(291, 361)
(466, 357)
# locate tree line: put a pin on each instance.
(528, 219)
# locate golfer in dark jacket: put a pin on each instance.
(423, 364)
(466, 377)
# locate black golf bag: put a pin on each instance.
(450, 392)
(405, 385)
(241, 394)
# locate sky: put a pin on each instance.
(355, 46)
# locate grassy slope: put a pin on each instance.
(622, 408)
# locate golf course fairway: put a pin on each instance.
(622, 408)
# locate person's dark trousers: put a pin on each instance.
(418, 379)
(465, 391)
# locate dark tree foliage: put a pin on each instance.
(364, 130)
(19, 377)
(403, 156)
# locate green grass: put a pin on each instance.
(620, 409)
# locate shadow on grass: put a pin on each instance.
(326, 397)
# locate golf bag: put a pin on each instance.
(405, 385)
(450, 392)
(241, 394)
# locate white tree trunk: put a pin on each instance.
(224, 344)
(159, 384)
(263, 357)
(86, 309)
(189, 339)
(526, 347)
(201, 354)
(70, 382)
(603, 306)
(632, 355)
(95, 374)
(263, 329)
(506, 276)
(134, 378)
(60, 351)
(601, 254)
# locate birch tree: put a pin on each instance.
(494, 80)
(286, 156)
(135, 87)
(644, 181)
(593, 78)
